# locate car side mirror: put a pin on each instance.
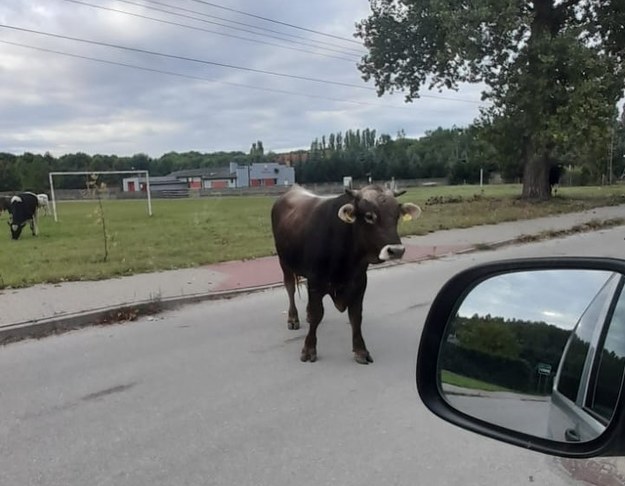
(531, 352)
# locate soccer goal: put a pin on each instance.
(51, 176)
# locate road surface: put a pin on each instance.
(215, 394)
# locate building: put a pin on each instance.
(231, 177)
(207, 177)
(163, 183)
(263, 175)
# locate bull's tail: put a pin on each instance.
(298, 280)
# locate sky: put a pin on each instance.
(557, 297)
(62, 96)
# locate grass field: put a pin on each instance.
(450, 378)
(192, 232)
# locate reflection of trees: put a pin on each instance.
(489, 336)
(504, 352)
(511, 373)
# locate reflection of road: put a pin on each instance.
(523, 413)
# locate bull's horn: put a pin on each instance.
(355, 193)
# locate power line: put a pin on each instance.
(230, 66)
(344, 52)
(182, 9)
(185, 58)
(277, 21)
(199, 78)
(177, 24)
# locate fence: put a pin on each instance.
(319, 188)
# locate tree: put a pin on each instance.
(257, 152)
(554, 68)
(490, 336)
(9, 176)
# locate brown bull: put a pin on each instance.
(331, 241)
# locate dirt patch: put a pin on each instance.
(593, 225)
(597, 472)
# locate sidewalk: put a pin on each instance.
(48, 308)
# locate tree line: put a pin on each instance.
(30, 171)
(505, 352)
(457, 154)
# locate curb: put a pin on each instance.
(37, 329)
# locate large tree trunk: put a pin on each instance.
(537, 149)
(536, 178)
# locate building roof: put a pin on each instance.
(156, 180)
(162, 180)
(204, 173)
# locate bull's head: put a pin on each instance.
(375, 213)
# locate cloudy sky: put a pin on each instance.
(62, 95)
(558, 297)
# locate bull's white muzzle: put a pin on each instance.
(392, 252)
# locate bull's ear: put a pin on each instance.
(410, 211)
(397, 193)
(347, 213)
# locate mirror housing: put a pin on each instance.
(611, 442)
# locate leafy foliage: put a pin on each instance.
(554, 69)
(516, 345)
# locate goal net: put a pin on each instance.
(52, 175)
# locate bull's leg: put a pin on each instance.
(314, 312)
(290, 282)
(33, 225)
(361, 355)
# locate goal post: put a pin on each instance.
(108, 172)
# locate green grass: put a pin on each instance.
(497, 204)
(193, 232)
(449, 378)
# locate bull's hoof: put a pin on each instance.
(293, 324)
(363, 357)
(308, 355)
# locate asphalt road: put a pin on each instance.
(529, 415)
(214, 393)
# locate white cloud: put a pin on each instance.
(50, 102)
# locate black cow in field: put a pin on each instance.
(23, 210)
(331, 241)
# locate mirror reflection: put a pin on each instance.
(540, 352)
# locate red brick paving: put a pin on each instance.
(266, 271)
(249, 273)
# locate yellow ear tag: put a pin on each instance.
(406, 217)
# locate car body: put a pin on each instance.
(581, 407)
